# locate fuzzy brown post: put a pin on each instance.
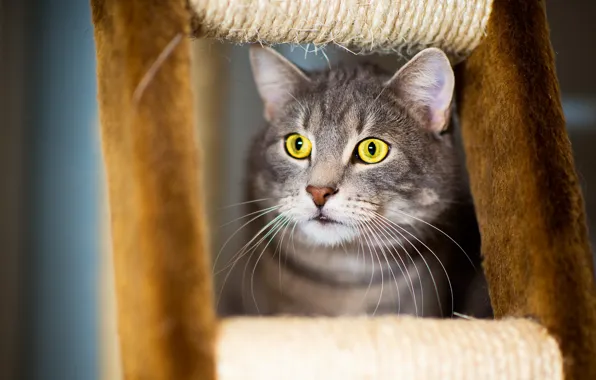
(166, 322)
(530, 209)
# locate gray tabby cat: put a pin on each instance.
(363, 205)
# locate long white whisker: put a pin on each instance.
(293, 245)
(252, 276)
(423, 260)
(363, 240)
(246, 202)
(246, 247)
(237, 259)
(384, 227)
(389, 236)
(280, 248)
(358, 245)
(235, 232)
(442, 232)
(380, 268)
(381, 243)
(250, 250)
(249, 214)
(433, 253)
(372, 273)
(343, 246)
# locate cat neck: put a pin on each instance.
(363, 261)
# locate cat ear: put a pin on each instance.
(276, 78)
(425, 84)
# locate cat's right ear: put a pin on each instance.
(276, 78)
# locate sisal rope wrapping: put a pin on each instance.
(455, 26)
(386, 348)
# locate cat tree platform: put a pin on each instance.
(385, 348)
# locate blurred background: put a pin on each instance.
(55, 285)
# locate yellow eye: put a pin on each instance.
(298, 146)
(373, 151)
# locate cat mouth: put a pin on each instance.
(324, 219)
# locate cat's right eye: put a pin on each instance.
(298, 146)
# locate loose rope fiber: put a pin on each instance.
(455, 26)
(386, 348)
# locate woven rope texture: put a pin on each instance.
(386, 348)
(363, 26)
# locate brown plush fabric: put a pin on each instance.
(531, 213)
(166, 324)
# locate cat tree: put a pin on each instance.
(537, 257)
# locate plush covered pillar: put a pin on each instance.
(530, 210)
(166, 322)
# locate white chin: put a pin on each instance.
(327, 233)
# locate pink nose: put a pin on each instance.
(320, 194)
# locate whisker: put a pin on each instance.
(154, 68)
(381, 242)
(251, 250)
(363, 240)
(358, 245)
(231, 266)
(285, 222)
(249, 214)
(343, 246)
(380, 268)
(385, 233)
(391, 234)
(280, 248)
(372, 272)
(234, 234)
(463, 316)
(441, 231)
(247, 202)
(293, 245)
(433, 253)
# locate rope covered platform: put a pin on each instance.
(385, 348)
(363, 26)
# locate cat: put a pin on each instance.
(359, 202)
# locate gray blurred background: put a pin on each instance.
(51, 182)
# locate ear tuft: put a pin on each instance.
(276, 78)
(425, 84)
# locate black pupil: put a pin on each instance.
(372, 148)
(298, 143)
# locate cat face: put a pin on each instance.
(352, 149)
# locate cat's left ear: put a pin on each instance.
(276, 78)
(425, 84)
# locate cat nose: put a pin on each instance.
(320, 194)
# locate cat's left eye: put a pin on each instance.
(372, 151)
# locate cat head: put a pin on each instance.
(353, 149)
